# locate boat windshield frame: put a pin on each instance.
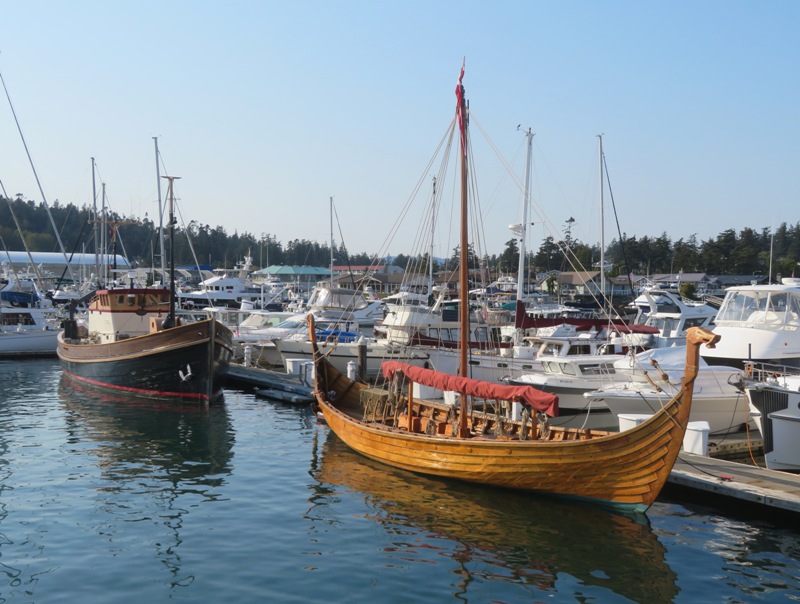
(765, 309)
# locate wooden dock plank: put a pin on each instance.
(738, 481)
(266, 378)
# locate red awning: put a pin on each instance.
(538, 400)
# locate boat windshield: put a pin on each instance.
(763, 308)
(337, 298)
(291, 324)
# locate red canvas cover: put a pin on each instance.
(538, 400)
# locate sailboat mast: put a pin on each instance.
(104, 236)
(433, 236)
(526, 200)
(463, 307)
(96, 229)
(170, 320)
(160, 212)
(464, 243)
(331, 214)
(602, 229)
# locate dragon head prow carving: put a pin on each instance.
(700, 335)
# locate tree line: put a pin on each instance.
(747, 252)
(138, 239)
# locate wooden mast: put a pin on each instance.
(461, 111)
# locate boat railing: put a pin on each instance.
(768, 372)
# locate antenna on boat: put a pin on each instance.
(169, 321)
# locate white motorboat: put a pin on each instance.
(367, 352)
(327, 301)
(672, 315)
(232, 289)
(263, 341)
(759, 324)
(570, 378)
(775, 407)
(592, 364)
(29, 323)
(645, 382)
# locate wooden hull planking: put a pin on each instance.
(626, 469)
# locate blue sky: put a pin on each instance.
(267, 109)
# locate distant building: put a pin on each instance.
(57, 260)
(304, 277)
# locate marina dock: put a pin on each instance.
(288, 388)
(737, 481)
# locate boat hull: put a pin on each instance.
(617, 470)
(28, 343)
(725, 413)
(626, 469)
(776, 412)
(186, 363)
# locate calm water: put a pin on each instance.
(107, 500)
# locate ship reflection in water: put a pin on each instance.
(157, 460)
(500, 535)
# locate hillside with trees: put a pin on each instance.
(747, 252)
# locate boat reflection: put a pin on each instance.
(186, 442)
(535, 540)
(180, 455)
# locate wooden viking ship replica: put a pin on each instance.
(134, 344)
(624, 469)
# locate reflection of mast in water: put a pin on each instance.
(535, 540)
(170, 451)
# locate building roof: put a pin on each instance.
(294, 271)
(361, 268)
(578, 277)
(58, 259)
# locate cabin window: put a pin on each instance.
(597, 369)
(695, 322)
(481, 335)
(794, 308)
(567, 369)
(737, 306)
(17, 319)
(580, 349)
(550, 349)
